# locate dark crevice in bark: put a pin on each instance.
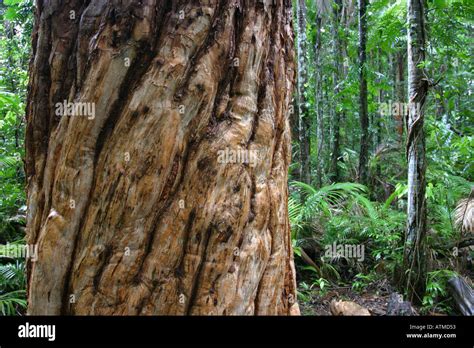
(232, 75)
(279, 123)
(187, 229)
(174, 182)
(217, 26)
(105, 257)
(196, 282)
(261, 94)
(179, 271)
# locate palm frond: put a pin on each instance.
(11, 302)
(368, 205)
(325, 199)
(8, 161)
(464, 214)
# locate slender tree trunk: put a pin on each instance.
(328, 111)
(319, 111)
(414, 259)
(337, 51)
(171, 196)
(363, 107)
(295, 133)
(400, 93)
(305, 124)
(379, 123)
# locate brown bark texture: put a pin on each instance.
(133, 209)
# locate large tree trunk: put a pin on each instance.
(152, 207)
(363, 107)
(302, 79)
(414, 267)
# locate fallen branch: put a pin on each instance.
(308, 260)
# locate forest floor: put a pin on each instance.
(374, 301)
(374, 298)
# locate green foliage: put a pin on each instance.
(12, 276)
(324, 200)
(362, 281)
(13, 303)
(375, 216)
(16, 19)
(436, 296)
(15, 30)
(12, 279)
(342, 214)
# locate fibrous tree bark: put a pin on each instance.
(414, 267)
(363, 106)
(302, 80)
(133, 208)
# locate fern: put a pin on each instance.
(12, 276)
(327, 198)
(8, 161)
(12, 302)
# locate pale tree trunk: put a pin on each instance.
(327, 114)
(302, 79)
(379, 123)
(338, 70)
(363, 107)
(414, 267)
(319, 111)
(137, 211)
(295, 125)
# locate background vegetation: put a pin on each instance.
(331, 209)
(16, 18)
